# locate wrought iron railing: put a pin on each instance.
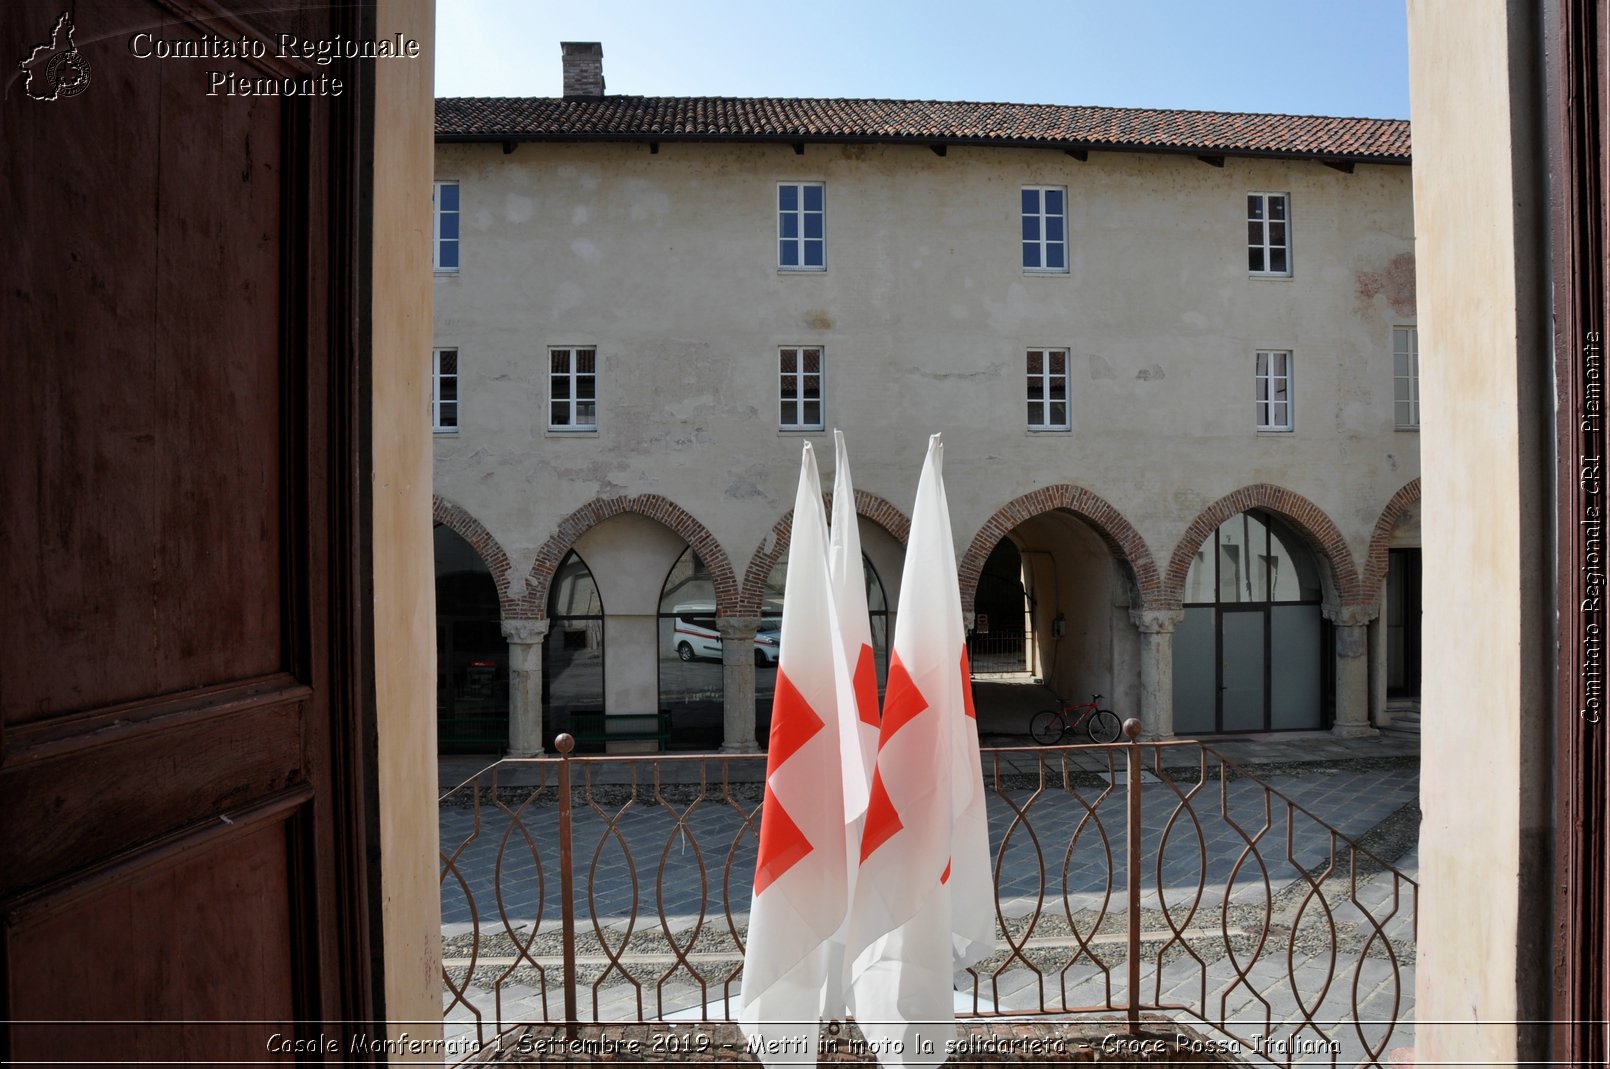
(1131, 878)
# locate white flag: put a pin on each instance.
(858, 727)
(923, 903)
(801, 871)
(860, 736)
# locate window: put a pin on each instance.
(1268, 234)
(1273, 390)
(445, 202)
(801, 393)
(573, 389)
(801, 244)
(1048, 389)
(1045, 220)
(444, 391)
(1406, 377)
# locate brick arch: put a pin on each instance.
(534, 602)
(1375, 564)
(770, 551)
(458, 520)
(1116, 532)
(1305, 518)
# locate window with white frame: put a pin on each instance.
(1268, 233)
(1406, 377)
(573, 389)
(1045, 225)
(801, 223)
(1048, 389)
(801, 389)
(444, 391)
(1272, 390)
(444, 201)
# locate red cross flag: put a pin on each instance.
(801, 870)
(858, 728)
(923, 904)
(860, 738)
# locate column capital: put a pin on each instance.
(529, 632)
(738, 627)
(1350, 615)
(1156, 621)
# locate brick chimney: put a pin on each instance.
(584, 68)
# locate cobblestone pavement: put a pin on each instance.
(1281, 896)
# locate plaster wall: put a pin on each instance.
(1486, 422)
(404, 586)
(629, 557)
(667, 264)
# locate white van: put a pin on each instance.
(693, 635)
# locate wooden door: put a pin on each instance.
(181, 691)
(1578, 84)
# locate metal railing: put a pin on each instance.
(1130, 878)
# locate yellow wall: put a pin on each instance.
(1478, 201)
(405, 601)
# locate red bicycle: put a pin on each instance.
(1050, 726)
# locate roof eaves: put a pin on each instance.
(643, 136)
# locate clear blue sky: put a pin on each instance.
(1308, 57)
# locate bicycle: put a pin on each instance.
(1050, 726)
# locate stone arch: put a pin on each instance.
(534, 602)
(1306, 519)
(458, 520)
(770, 551)
(1116, 532)
(1375, 564)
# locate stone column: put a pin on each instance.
(525, 685)
(1352, 669)
(738, 683)
(1156, 671)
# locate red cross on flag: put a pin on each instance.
(801, 870)
(860, 737)
(923, 903)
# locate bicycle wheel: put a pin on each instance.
(1046, 727)
(1104, 726)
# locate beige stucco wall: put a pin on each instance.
(405, 593)
(667, 263)
(1485, 510)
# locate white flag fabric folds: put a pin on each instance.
(923, 903)
(858, 726)
(801, 871)
(860, 736)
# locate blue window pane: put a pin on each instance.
(1053, 202)
(1053, 228)
(1054, 257)
(789, 223)
(449, 227)
(1031, 228)
(788, 253)
(813, 198)
(449, 254)
(813, 226)
(813, 254)
(1031, 202)
(449, 197)
(787, 198)
(1031, 254)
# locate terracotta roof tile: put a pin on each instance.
(629, 118)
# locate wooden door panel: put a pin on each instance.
(180, 714)
(93, 796)
(166, 925)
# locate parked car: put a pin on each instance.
(694, 635)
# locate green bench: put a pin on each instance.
(597, 728)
